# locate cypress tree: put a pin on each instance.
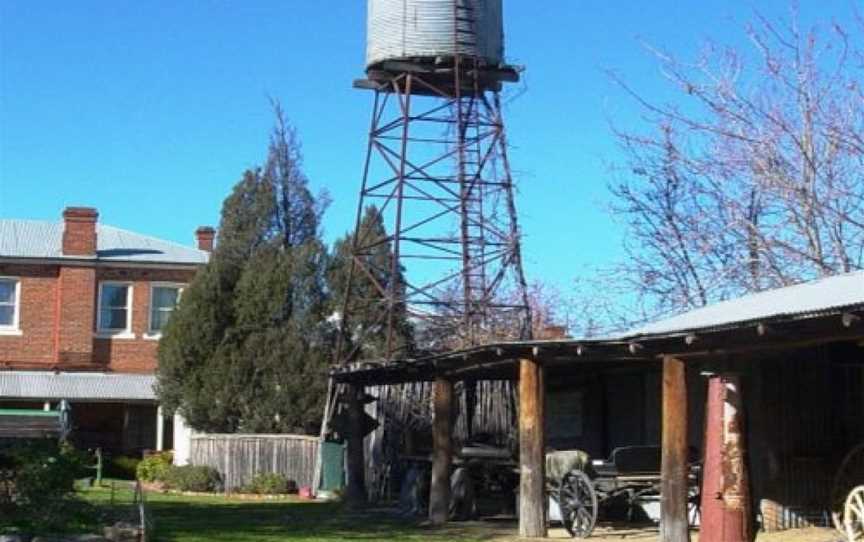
(364, 328)
(246, 350)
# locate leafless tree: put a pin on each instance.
(751, 176)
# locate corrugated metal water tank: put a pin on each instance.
(425, 29)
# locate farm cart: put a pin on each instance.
(579, 487)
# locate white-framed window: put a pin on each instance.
(10, 306)
(114, 315)
(164, 297)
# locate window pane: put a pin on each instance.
(113, 318)
(118, 319)
(159, 319)
(164, 297)
(7, 291)
(114, 295)
(7, 315)
(163, 302)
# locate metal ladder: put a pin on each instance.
(466, 106)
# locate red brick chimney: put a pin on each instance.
(205, 235)
(76, 289)
(79, 231)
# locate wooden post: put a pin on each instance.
(442, 453)
(532, 460)
(673, 507)
(356, 460)
(726, 511)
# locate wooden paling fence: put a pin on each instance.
(238, 458)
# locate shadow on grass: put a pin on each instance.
(204, 519)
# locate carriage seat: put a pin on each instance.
(627, 460)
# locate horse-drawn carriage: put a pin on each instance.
(579, 488)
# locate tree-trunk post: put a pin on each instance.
(673, 511)
(442, 454)
(356, 461)
(532, 460)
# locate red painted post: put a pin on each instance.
(726, 509)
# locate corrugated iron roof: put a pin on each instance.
(816, 300)
(42, 239)
(76, 386)
(829, 294)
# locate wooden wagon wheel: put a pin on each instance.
(577, 500)
(849, 473)
(853, 515)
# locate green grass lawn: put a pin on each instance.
(203, 519)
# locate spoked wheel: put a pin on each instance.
(853, 515)
(694, 503)
(578, 503)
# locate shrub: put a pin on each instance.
(39, 479)
(271, 483)
(123, 467)
(155, 467)
(193, 478)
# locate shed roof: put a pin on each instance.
(791, 302)
(44, 240)
(806, 313)
(49, 385)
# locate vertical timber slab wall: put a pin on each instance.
(238, 458)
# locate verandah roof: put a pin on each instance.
(49, 385)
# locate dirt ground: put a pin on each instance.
(605, 534)
(505, 532)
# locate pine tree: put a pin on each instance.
(247, 349)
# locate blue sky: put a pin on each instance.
(150, 111)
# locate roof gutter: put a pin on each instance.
(93, 262)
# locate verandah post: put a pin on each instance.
(356, 460)
(442, 455)
(673, 507)
(532, 499)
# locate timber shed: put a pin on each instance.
(795, 354)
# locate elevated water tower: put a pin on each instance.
(437, 169)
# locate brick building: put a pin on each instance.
(82, 305)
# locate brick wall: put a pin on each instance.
(138, 354)
(75, 304)
(35, 345)
(58, 319)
